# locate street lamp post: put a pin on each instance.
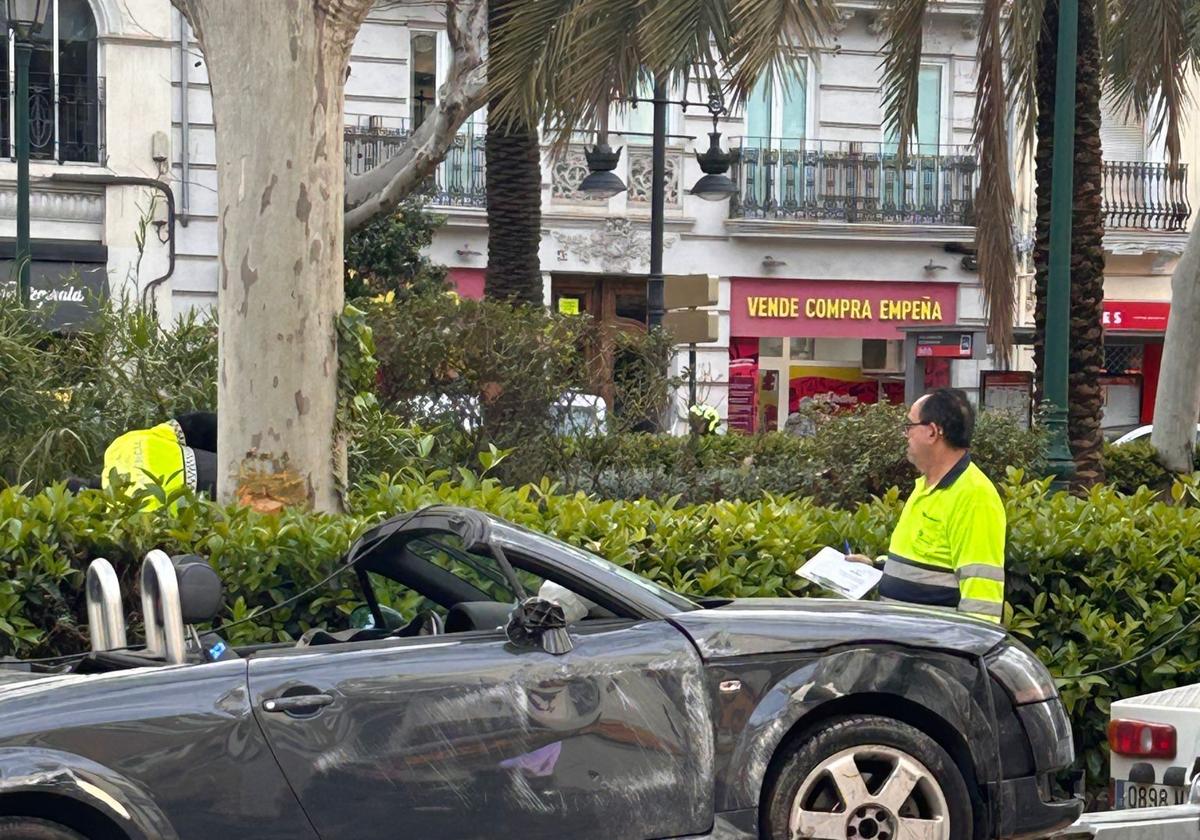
(1058, 292)
(25, 19)
(715, 185)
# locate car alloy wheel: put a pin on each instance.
(870, 792)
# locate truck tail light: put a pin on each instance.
(1140, 739)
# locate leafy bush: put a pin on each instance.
(485, 374)
(387, 255)
(846, 459)
(1135, 464)
(1094, 580)
(66, 397)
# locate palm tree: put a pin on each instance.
(514, 194)
(1086, 360)
(564, 62)
(1139, 50)
(569, 58)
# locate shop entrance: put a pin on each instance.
(773, 378)
(617, 304)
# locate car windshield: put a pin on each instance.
(674, 599)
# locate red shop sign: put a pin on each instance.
(761, 307)
(1144, 315)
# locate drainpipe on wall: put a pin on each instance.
(133, 181)
(185, 170)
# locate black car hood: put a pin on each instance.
(780, 625)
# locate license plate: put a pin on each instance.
(1134, 795)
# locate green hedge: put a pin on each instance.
(1093, 580)
(1132, 465)
(846, 458)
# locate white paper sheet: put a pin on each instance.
(830, 569)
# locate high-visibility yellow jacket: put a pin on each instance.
(948, 547)
(151, 456)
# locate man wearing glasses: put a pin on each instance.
(948, 547)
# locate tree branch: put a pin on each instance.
(378, 191)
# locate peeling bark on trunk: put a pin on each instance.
(277, 69)
(1177, 406)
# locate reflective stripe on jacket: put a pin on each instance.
(948, 547)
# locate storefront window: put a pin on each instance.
(802, 349)
(770, 347)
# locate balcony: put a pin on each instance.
(1145, 196)
(458, 180)
(851, 182)
(66, 117)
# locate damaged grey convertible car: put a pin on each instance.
(501, 683)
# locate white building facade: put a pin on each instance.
(827, 256)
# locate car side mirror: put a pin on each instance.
(538, 622)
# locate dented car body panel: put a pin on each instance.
(613, 739)
(659, 719)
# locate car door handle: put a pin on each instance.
(297, 703)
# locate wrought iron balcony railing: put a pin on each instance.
(1145, 196)
(66, 117)
(784, 178)
(459, 180)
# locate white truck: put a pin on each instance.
(1154, 746)
(1172, 822)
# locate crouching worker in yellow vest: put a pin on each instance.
(948, 547)
(178, 453)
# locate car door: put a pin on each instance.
(466, 735)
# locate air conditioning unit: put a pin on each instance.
(881, 355)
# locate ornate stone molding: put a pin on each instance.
(55, 205)
(619, 247)
(641, 161)
(568, 173)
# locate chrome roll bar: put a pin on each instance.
(106, 617)
(161, 608)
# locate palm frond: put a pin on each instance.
(1151, 49)
(1023, 28)
(994, 198)
(904, 23)
(562, 62)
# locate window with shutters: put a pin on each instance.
(1122, 134)
(778, 106)
(927, 132)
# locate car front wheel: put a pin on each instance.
(869, 778)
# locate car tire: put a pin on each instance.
(27, 828)
(865, 776)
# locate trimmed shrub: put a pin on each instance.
(1135, 464)
(847, 458)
